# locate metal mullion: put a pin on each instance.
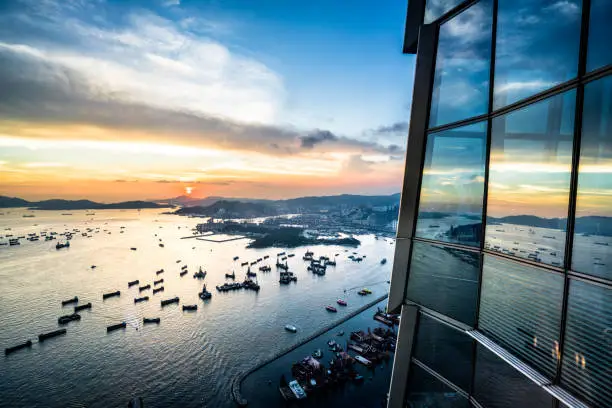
(449, 15)
(594, 280)
(447, 244)
(460, 123)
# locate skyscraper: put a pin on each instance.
(503, 262)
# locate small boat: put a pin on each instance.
(178, 261)
(341, 302)
(183, 267)
(190, 307)
(159, 272)
(69, 301)
(10, 350)
(236, 258)
(132, 283)
(318, 354)
(145, 287)
(141, 299)
(291, 328)
(200, 274)
(331, 309)
(117, 326)
(111, 294)
(363, 360)
(157, 282)
(231, 276)
(161, 245)
(59, 245)
(204, 295)
(93, 266)
(82, 307)
(169, 301)
(383, 261)
(183, 273)
(68, 318)
(151, 320)
(133, 249)
(46, 336)
(297, 390)
(156, 290)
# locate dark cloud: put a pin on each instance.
(318, 136)
(33, 89)
(399, 127)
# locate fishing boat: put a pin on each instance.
(297, 390)
(151, 320)
(331, 309)
(159, 272)
(341, 302)
(204, 295)
(183, 273)
(291, 328)
(363, 360)
(251, 274)
(236, 258)
(161, 245)
(133, 249)
(157, 282)
(190, 307)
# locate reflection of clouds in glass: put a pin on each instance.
(462, 66)
(537, 47)
(435, 9)
(599, 51)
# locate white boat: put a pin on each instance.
(291, 328)
(363, 360)
(297, 390)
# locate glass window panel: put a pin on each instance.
(450, 206)
(520, 309)
(461, 82)
(445, 350)
(444, 279)
(537, 47)
(499, 385)
(434, 9)
(592, 251)
(529, 177)
(587, 353)
(599, 51)
(426, 391)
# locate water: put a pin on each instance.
(191, 357)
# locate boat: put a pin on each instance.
(64, 245)
(331, 309)
(318, 354)
(236, 258)
(290, 328)
(111, 294)
(14, 241)
(340, 333)
(178, 261)
(68, 318)
(231, 276)
(159, 272)
(161, 245)
(82, 307)
(169, 301)
(50, 335)
(93, 266)
(244, 264)
(141, 299)
(117, 326)
(363, 360)
(204, 295)
(291, 255)
(132, 283)
(13, 349)
(341, 302)
(297, 390)
(190, 307)
(133, 249)
(200, 274)
(250, 274)
(383, 261)
(157, 282)
(145, 287)
(151, 320)
(28, 216)
(69, 301)
(156, 290)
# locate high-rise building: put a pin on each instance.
(503, 263)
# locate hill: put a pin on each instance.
(231, 209)
(58, 204)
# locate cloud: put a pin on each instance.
(171, 3)
(318, 136)
(564, 7)
(398, 127)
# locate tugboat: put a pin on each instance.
(204, 295)
(331, 309)
(200, 274)
(341, 302)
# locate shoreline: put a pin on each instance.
(236, 385)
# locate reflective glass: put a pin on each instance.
(529, 177)
(599, 51)
(450, 206)
(461, 82)
(592, 251)
(499, 385)
(587, 354)
(520, 309)
(536, 48)
(426, 391)
(445, 280)
(445, 350)
(434, 9)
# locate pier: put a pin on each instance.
(237, 381)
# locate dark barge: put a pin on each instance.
(151, 320)
(160, 289)
(117, 326)
(68, 318)
(13, 349)
(45, 336)
(190, 307)
(69, 301)
(82, 307)
(132, 283)
(111, 294)
(169, 301)
(157, 282)
(141, 299)
(145, 287)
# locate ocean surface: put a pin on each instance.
(190, 358)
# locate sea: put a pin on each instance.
(190, 358)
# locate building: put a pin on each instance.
(503, 263)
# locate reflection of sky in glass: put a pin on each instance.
(453, 177)
(593, 227)
(599, 51)
(587, 355)
(435, 9)
(529, 176)
(537, 47)
(461, 84)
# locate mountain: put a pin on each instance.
(343, 200)
(58, 204)
(186, 201)
(231, 209)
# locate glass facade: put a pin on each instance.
(510, 258)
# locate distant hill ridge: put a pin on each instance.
(59, 204)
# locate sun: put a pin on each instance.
(188, 190)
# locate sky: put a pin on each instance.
(118, 100)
